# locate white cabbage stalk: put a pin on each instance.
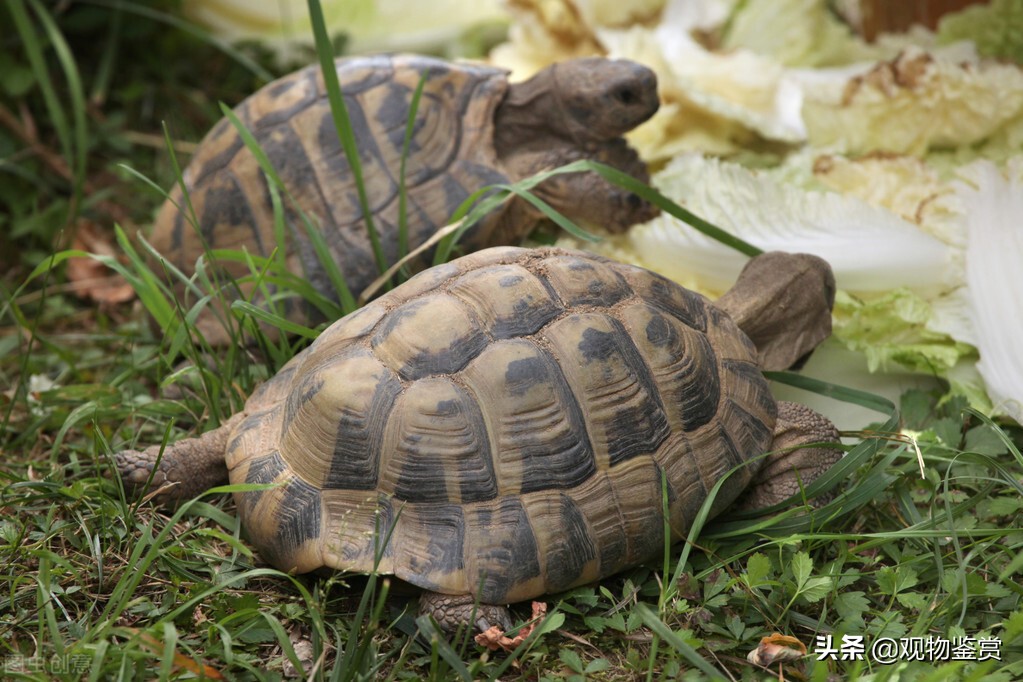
(993, 211)
(869, 248)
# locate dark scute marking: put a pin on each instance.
(178, 232)
(293, 167)
(699, 397)
(738, 481)
(754, 438)
(392, 118)
(420, 225)
(598, 290)
(649, 542)
(365, 139)
(454, 193)
(510, 280)
(298, 520)
(637, 429)
(219, 161)
(359, 74)
(478, 485)
(659, 332)
(524, 373)
(264, 470)
(382, 531)
(528, 319)
(563, 463)
(565, 562)
(423, 478)
(226, 203)
(444, 549)
(447, 361)
(383, 188)
(479, 175)
(279, 87)
(301, 394)
(253, 421)
(597, 345)
(393, 318)
(752, 374)
(515, 558)
(678, 302)
(357, 451)
(613, 553)
(277, 114)
(330, 144)
(735, 456)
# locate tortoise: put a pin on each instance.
(504, 421)
(472, 129)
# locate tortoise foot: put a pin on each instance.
(452, 611)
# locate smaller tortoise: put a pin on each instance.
(510, 416)
(472, 129)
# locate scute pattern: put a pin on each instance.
(539, 435)
(436, 447)
(512, 416)
(450, 151)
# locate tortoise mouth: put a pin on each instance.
(620, 155)
(631, 208)
(589, 197)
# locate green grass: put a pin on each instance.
(97, 586)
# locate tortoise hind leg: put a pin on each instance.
(186, 468)
(451, 611)
(792, 465)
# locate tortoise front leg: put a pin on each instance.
(452, 611)
(791, 466)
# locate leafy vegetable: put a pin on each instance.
(993, 204)
(916, 102)
(366, 24)
(870, 249)
(995, 27)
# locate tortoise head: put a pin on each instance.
(599, 99)
(783, 301)
(579, 109)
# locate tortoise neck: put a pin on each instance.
(532, 117)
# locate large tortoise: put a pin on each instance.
(510, 415)
(472, 129)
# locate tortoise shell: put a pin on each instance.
(500, 426)
(291, 119)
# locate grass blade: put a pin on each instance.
(330, 265)
(343, 124)
(661, 630)
(410, 127)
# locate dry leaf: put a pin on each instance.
(181, 661)
(89, 277)
(303, 647)
(495, 638)
(776, 648)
